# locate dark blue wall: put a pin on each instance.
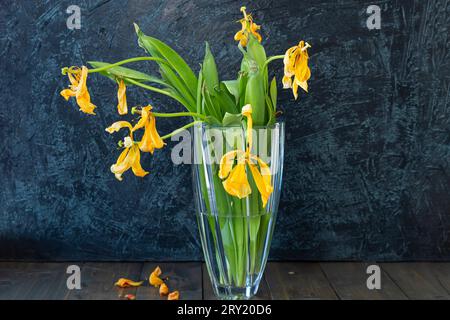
(367, 172)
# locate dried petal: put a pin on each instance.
(122, 106)
(154, 279)
(163, 290)
(173, 296)
(125, 283)
(157, 271)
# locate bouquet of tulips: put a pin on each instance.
(249, 100)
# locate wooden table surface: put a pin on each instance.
(282, 280)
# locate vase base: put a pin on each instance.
(235, 293)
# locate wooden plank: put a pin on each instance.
(298, 280)
(31, 281)
(422, 280)
(186, 277)
(443, 274)
(349, 281)
(98, 278)
(208, 294)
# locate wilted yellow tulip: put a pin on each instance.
(130, 156)
(236, 180)
(78, 89)
(296, 66)
(247, 27)
(122, 106)
(151, 139)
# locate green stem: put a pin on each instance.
(164, 92)
(167, 136)
(146, 86)
(281, 56)
(125, 62)
(180, 114)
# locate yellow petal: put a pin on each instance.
(136, 166)
(151, 139)
(163, 290)
(82, 93)
(303, 85)
(126, 159)
(295, 89)
(74, 78)
(145, 113)
(254, 28)
(239, 35)
(116, 126)
(157, 271)
(262, 179)
(287, 82)
(243, 41)
(67, 93)
(287, 60)
(237, 183)
(173, 296)
(155, 280)
(122, 106)
(125, 283)
(302, 72)
(247, 112)
(226, 163)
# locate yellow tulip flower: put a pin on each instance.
(151, 139)
(78, 89)
(236, 181)
(248, 27)
(130, 156)
(296, 65)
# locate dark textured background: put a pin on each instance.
(367, 173)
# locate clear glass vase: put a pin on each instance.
(235, 233)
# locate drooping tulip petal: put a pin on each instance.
(241, 37)
(116, 126)
(129, 158)
(237, 182)
(262, 178)
(226, 163)
(151, 139)
(295, 89)
(136, 166)
(287, 82)
(145, 113)
(303, 85)
(125, 283)
(122, 106)
(254, 30)
(122, 164)
(68, 93)
(247, 112)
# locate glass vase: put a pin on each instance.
(235, 232)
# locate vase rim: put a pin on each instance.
(207, 125)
